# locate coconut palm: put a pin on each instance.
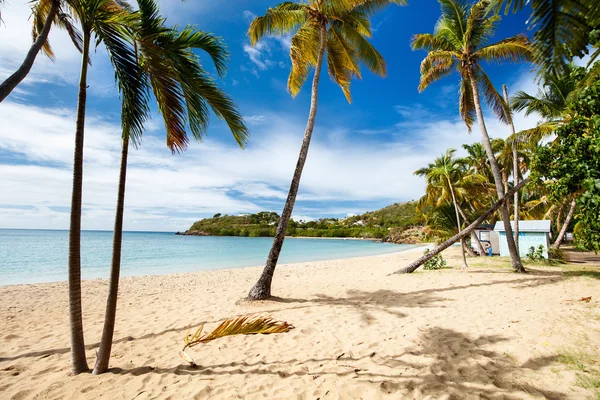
(184, 92)
(449, 182)
(459, 41)
(550, 102)
(106, 21)
(339, 28)
(563, 29)
(515, 171)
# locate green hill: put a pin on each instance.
(392, 223)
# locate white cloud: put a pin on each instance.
(303, 218)
(264, 53)
(168, 192)
(255, 119)
(248, 15)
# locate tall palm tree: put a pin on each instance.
(459, 41)
(45, 13)
(448, 182)
(339, 28)
(184, 92)
(106, 21)
(515, 164)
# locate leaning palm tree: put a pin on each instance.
(45, 14)
(459, 41)
(106, 21)
(339, 28)
(184, 92)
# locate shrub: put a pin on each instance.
(536, 254)
(436, 262)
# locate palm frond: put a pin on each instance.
(364, 50)
(304, 52)
(281, 19)
(339, 66)
(430, 42)
(467, 104)
(434, 66)
(111, 27)
(515, 49)
(494, 99)
(243, 325)
(214, 46)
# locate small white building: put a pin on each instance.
(488, 238)
(531, 234)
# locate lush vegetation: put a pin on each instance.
(388, 222)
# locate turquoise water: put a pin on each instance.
(34, 256)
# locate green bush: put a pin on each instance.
(436, 262)
(536, 254)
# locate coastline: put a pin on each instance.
(230, 270)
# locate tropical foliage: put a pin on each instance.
(570, 164)
(385, 223)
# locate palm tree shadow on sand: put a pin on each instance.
(440, 362)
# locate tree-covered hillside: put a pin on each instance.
(386, 223)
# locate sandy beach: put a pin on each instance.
(360, 334)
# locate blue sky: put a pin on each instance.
(361, 158)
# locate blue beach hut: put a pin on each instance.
(531, 234)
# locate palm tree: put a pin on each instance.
(563, 29)
(459, 41)
(183, 91)
(40, 36)
(515, 161)
(339, 28)
(449, 182)
(551, 103)
(106, 21)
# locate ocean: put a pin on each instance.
(35, 256)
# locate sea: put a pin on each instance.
(36, 256)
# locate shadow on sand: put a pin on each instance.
(364, 302)
(441, 362)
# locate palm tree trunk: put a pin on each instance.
(12, 81)
(462, 240)
(485, 139)
(443, 246)
(262, 288)
(115, 269)
(474, 237)
(565, 226)
(78, 360)
(515, 155)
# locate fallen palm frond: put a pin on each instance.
(243, 325)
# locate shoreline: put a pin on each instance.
(292, 265)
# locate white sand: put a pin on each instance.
(480, 333)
